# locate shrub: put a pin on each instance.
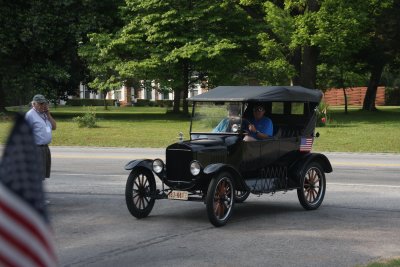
(392, 96)
(142, 102)
(88, 120)
(164, 103)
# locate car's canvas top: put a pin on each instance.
(260, 93)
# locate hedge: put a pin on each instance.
(150, 103)
(89, 102)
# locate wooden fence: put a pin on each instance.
(355, 96)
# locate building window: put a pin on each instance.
(147, 93)
(117, 94)
(166, 95)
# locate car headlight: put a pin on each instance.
(158, 166)
(195, 167)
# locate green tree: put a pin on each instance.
(39, 42)
(289, 53)
(180, 42)
(101, 64)
(341, 26)
(301, 35)
(384, 44)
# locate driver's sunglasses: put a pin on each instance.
(259, 109)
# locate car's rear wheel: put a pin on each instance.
(241, 195)
(140, 192)
(312, 187)
(220, 199)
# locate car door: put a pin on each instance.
(259, 154)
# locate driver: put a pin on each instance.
(225, 124)
(260, 127)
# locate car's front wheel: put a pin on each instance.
(220, 199)
(312, 187)
(140, 192)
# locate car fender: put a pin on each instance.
(219, 167)
(299, 166)
(146, 163)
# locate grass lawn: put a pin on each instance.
(361, 131)
(384, 263)
(357, 131)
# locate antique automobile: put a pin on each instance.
(218, 167)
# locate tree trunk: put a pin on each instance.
(345, 100)
(2, 98)
(374, 80)
(308, 74)
(185, 88)
(308, 77)
(105, 100)
(344, 91)
(295, 60)
(177, 100)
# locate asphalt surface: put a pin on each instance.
(359, 220)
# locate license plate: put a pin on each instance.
(178, 195)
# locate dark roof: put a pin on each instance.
(260, 93)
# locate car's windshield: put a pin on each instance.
(211, 117)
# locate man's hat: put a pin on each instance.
(39, 99)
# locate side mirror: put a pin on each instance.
(317, 135)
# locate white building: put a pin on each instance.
(128, 95)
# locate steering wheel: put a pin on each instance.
(235, 127)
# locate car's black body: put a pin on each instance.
(230, 168)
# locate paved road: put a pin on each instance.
(359, 220)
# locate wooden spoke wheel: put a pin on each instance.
(140, 192)
(220, 199)
(312, 187)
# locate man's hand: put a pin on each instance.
(252, 128)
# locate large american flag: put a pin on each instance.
(26, 238)
(306, 144)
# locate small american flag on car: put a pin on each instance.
(306, 144)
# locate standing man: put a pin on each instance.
(42, 123)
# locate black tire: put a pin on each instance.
(140, 192)
(241, 196)
(312, 187)
(220, 199)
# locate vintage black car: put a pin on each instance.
(217, 167)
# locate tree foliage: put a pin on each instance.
(384, 44)
(39, 42)
(174, 42)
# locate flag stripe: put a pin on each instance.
(24, 230)
(16, 216)
(17, 252)
(9, 256)
(21, 241)
(18, 210)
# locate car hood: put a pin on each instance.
(199, 145)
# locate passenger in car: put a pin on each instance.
(260, 127)
(233, 116)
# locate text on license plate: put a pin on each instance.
(180, 195)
